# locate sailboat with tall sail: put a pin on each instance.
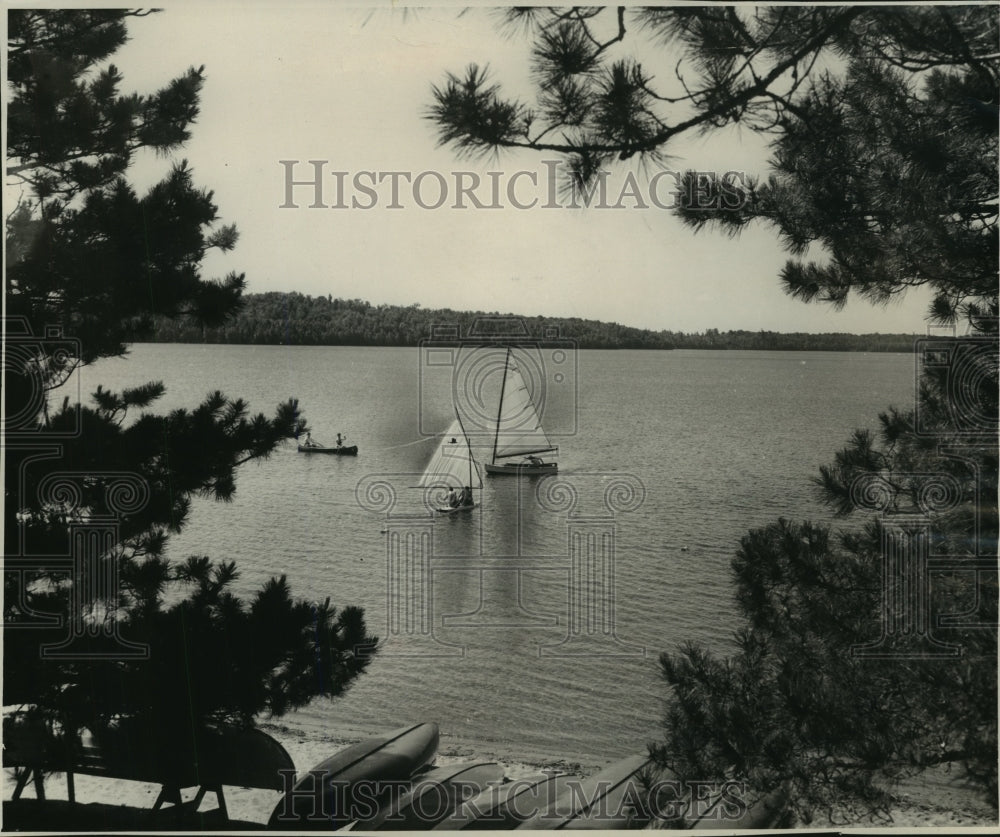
(453, 470)
(519, 434)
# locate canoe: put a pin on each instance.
(341, 451)
(244, 758)
(603, 801)
(347, 785)
(734, 814)
(433, 797)
(502, 807)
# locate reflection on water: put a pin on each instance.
(535, 619)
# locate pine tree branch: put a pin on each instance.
(749, 93)
(615, 40)
(711, 115)
(738, 24)
(58, 39)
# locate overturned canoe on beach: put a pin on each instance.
(433, 796)
(502, 807)
(612, 798)
(733, 811)
(353, 783)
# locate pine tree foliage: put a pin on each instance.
(882, 121)
(71, 137)
(882, 124)
(90, 264)
(797, 703)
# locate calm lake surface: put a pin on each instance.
(507, 638)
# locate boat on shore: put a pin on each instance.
(433, 796)
(610, 799)
(502, 807)
(339, 789)
(518, 437)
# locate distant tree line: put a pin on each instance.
(299, 320)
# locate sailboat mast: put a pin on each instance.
(503, 386)
(468, 447)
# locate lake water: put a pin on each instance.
(527, 624)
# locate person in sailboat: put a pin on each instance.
(466, 498)
(454, 498)
(536, 461)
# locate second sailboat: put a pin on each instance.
(519, 434)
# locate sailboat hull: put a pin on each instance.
(454, 509)
(517, 469)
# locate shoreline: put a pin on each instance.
(939, 797)
(308, 744)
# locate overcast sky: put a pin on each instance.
(351, 87)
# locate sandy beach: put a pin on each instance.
(938, 798)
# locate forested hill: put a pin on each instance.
(297, 319)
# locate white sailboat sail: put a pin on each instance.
(519, 431)
(452, 465)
